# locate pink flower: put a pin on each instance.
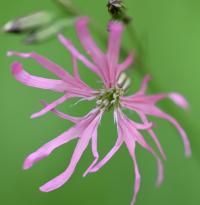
(111, 96)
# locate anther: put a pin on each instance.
(121, 79)
(106, 103)
(126, 84)
(99, 102)
(124, 81)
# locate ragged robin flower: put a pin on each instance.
(112, 96)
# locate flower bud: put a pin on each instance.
(117, 10)
(28, 22)
(49, 31)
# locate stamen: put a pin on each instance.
(106, 102)
(99, 102)
(109, 98)
(124, 81)
(126, 84)
(121, 79)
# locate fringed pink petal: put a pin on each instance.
(131, 147)
(73, 85)
(34, 81)
(68, 44)
(155, 139)
(115, 30)
(64, 177)
(78, 152)
(61, 114)
(130, 143)
(179, 100)
(75, 68)
(130, 130)
(47, 149)
(108, 156)
(125, 65)
(144, 85)
(145, 99)
(145, 126)
(139, 97)
(95, 153)
(153, 135)
(92, 49)
(46, 63)
(51, 106)
(136, 107)
(160, 175)
(154, 111)
(131, 136)
(137, 178)
(160, 169)
(179, 128)
(142, 142)
(87, 41)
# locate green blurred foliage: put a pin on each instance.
(169, 33)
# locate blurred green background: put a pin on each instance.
(169, 32)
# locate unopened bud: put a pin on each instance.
(115, 6)
(28, 22)
(117, 10)
(49, 31)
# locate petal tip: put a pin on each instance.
(60, 36)
(179, 100)
(27, 164)
(158, 184)
(64, 40)
(82, 21)
(188, 153)
(9, 53)
(33, 116)
(16, 68)
(148, 77)
(43, 189)
(48, 187)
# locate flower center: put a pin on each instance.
(109, 98)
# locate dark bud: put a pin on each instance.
(117, 10)
(115, 7)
